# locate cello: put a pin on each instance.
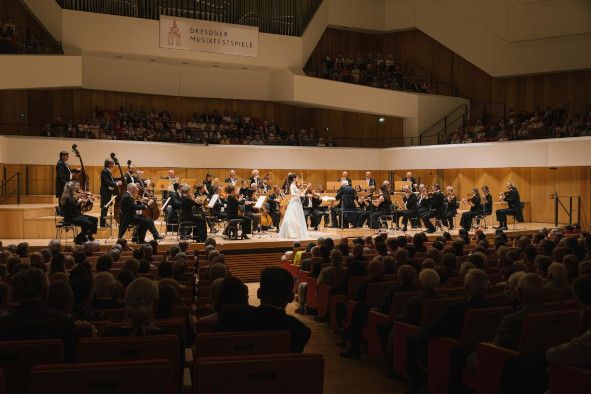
(119, 190)
(82, 179)
(151, 211)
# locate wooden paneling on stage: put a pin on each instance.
(536, 185)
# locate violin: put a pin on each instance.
(85, 200)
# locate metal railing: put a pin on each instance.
(437, 133)
(4, 187)
(286, 17)
(559, 205)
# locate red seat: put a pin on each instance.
(374, 347)
(562, 379)
(432, 310)
(479, 325)
(145, 376)
(242, 343)
(262, 374)
(325, 299)
(133, 348)
(540, 332)
(311, 301)
(17, 358)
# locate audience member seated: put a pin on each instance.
(142, 125)
(336, 275)
(275, 292)
(230, 291)
(102, 294)
(32, 319)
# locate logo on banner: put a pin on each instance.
(174, 35)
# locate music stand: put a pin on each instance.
(259, 206)
(165, 215)
(109, 207)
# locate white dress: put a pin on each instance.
(294, 222)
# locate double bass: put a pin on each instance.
(119, 190)
(82, 179)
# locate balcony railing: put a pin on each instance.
(286, 17)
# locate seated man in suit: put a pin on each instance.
(128, 215)
(530, 290)
(32, 319)
(311, 204)
(275, 292)
(450, 325)
(346, 196)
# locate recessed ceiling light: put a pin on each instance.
(152, 60)
(215, 65)
(381, 119)
(119, 57)
(185, 63)
(244, 68)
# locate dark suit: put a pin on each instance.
(412, 181)
(71, 213)
(230, 181)
(273, 207)
(449, 325)
(172, 209)
(128, 216)
(436, 210)
(34, 321)
(232, 207)
(509, 330)
(346, 195)
(108, 185)
(187, 215)
(514, 208)
(370, 182)
(411, 203)
(311, 205)
(475, 210)
(264, 318)
(62, 176)
(451, 210)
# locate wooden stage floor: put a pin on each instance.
(271, 240)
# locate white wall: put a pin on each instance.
(24, 72)
(540, 153)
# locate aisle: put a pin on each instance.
(341, 376)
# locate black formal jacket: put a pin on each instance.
(129, 208)
(264, 318)
(62, 176)
(451, 323)
(436, 201)
(487, 207)
(346, 195)
(229, 181)
(514, 202)
(451, 207)
(70, 209)
(32, 320)
(413, 182)
(232, 206)
(132, 179)
(372, 182)
(107, 182)
(272, 203)
(187, 205)
(476, 204)
(316, 201)
(411, 201)
(413, 307)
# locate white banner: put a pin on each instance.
(205, 36)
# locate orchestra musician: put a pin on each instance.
(232, 207)
(511, 197)
(366, 208)
(264, 186)
(436, 208)
(369, 180)
(219, 205)
(323, 208)
(346, 205)
(410, 206)
(475, 202)
(345, 176)
(128, 216)
(256, 178)
(382, 206)
(274, 206)
(487, 201)
(231, 179)
(63, 174)
(311, 202)
(451, 207)
(72, 214)
(207, 183)
(174, 204)
(412, 180)
(192, 211)
(171, 181)
(108, 185)
(133, 175)
(285, 186)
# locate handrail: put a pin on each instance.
(569, 211)
(4, 183)
(445, 121)
(286, 17)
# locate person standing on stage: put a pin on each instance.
(63, 174)
(108, 185)
(70, 204)
(345, 176)
(412, 180)
(369, 180)
(294, 224)
(128, 215)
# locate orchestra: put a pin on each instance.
(359, 206)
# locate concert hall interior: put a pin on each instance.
(295, 195)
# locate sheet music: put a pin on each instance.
(260, 201)
(213, 200)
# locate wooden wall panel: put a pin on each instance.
(42, 106)
(428, 59)
(536, 185)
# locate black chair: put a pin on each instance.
(232, 228)
(61, 225)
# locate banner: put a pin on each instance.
(206, 36)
